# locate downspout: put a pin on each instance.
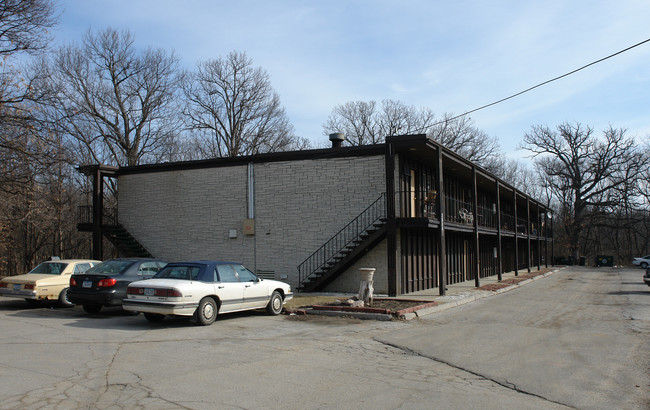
(251, 207)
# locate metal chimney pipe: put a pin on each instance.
(337, 139)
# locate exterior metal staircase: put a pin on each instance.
(346, 247)
(125, 243)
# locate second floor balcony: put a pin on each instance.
(424, 205)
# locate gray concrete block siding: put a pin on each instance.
(350, 280)
(300, 204)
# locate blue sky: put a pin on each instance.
(449, 56)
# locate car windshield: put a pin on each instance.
(110, 267)
(50, 268)
(187, 272)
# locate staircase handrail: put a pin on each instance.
(344, 237)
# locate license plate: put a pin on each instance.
(87, 284)
(16, 287)
(149, 292)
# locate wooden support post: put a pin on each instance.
(499, 249)
(514, 193)
(529, 256)
(442, 244)
(391, 225)
(477, 253)
(98, 213)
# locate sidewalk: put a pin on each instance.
(465, 292)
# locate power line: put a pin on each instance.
(541, 84)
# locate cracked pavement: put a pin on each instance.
(466, 357)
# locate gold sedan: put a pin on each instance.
(48, 281)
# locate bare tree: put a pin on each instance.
(518, 174)
(24, 28)
(232, 109)
(117, 103)
(366, 123)
(583, 172)
(460, 135)
(27, 148)
(25, 25)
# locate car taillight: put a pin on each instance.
(175, 293)
(73, 282)
(29, 286)
(106, 283)
(135, 291)
(3, 285)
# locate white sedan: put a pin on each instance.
(643, 262)
(204, 289)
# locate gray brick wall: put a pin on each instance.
(180, 215)
(349, 281)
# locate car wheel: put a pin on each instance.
(644, 265)
(63, 298)
(275, 304)
(154, 317)
(206, 313)
(92, 308)
(33, 302)
(131, 312)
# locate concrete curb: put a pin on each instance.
(357, 315)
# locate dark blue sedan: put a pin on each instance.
(106, 283)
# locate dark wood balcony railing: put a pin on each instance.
(507, 222)
(487, 217)
(522, 226)
(417, 204)
(85, 215)
(458, 211)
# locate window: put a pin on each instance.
(148, 269)
(81, 267)
(244, 274)
(179, 272)
(49, 268)
(227, 273)
(111, 267)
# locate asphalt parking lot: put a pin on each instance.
(583, 348)
(63, 358)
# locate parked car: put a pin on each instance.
(47, 281)
(203, 290)
(105, 284)
(646, 277)
(643, 262)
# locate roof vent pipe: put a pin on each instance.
(337, 139)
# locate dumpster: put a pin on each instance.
(605, 260)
